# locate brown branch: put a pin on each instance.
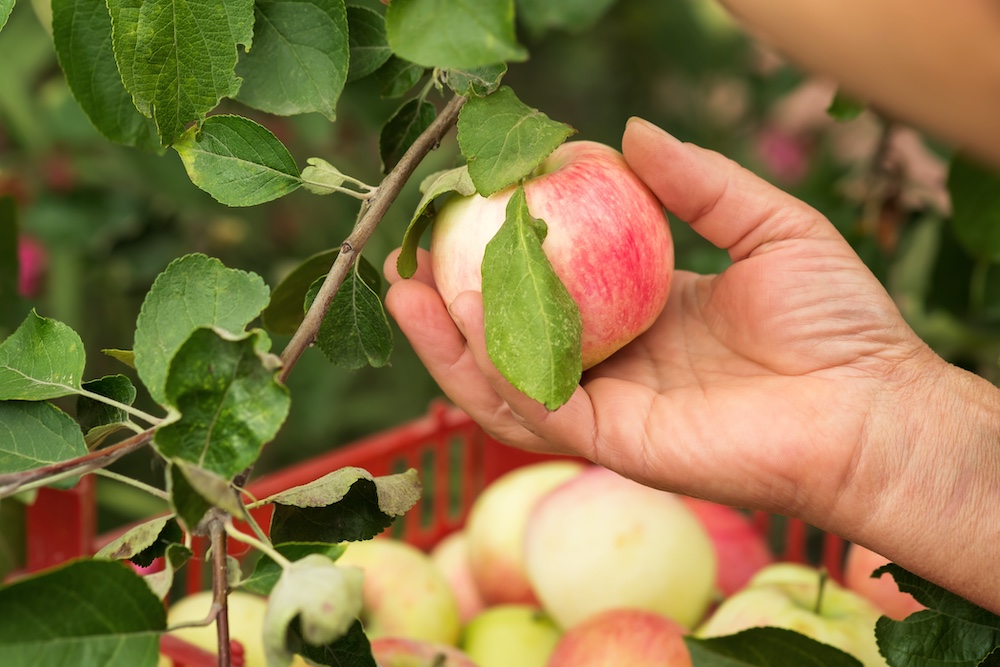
(220, 590)
(372, 212)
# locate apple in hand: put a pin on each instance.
(788, 595)
(404, 593)
(402, 652)
(608, 241)
(740, 549)
(496, 524)
(602, 541)
(632, 637)
(883, 591)
(510, 634)
(451, 556)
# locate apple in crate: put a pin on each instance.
(510, 634)
(608, 241)
(451, 556)
(404, 593)
(601, 541)
(401, 652)
(740, 549)
(788, 595)
(632, 637)
(496, 524)
(883, 591)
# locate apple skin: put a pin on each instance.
(495, 529)
(632, 637)
(246, 625)
(608, 241)
(451, 556)
(601, 541)
(404, 593)
(510, 634)
(740, 549)
(784, 595)
(402, 652)
(883, 592)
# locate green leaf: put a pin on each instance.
(186, 503)
(90, 612)
(477, 82)
(177, 60)
(325, 598)
(766, 647)
(215, 490)
(345, 505)
(144, 543)
(266, 572)
(402, 129)
(533, 327)
(127, 357)
(353, 648)
(299, 59)
(321, 177)
(42, 359)
(355, 331)
(36, 434)
(284, 313)
(229, 400)
(194, 291)
(975, 200)
(453, 34)
(398, 76)
(6, 7)
(845, 108)
(503, 139)
(174, 558)
(950, 631)
(81, 30)
(237, 161)
(568, 15)
(437, 184)
(369, 48)
(98, 419)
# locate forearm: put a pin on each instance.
(926, 489)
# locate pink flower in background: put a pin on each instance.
(32, 258)
(783, 154)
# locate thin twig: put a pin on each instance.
(373, 210)
(220, 590)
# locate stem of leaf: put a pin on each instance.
(124, 479)
(135, 412)
(260, 545)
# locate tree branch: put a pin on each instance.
(372, 212)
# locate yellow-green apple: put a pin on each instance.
(404, 594)
(451, 556)
(633, 637)
(882, 591)
(801, 598)
(402, 652)
(602, 541)
(510, 634)
(246, 624)
(740, 549)
(496, 524)
(608, 241)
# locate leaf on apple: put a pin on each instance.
(35, 434)
(266, 571)
(42, 359)
(323, 597)
(533, 326)
(369, 48)
(448, 35)
(436, 185)
(950, 631)
(355, 331)
(766, 647)
(397, 76)
(98, 419)
(475, 82)
(345, 505)
(352, 649)
(174, 558)
(504, 139)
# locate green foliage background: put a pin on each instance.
(112, 218)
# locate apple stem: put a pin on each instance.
(824, 576)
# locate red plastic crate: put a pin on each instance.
(455, 458)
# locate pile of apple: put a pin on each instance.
(563, 564)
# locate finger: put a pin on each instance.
(568, 430)
(422, 274)
(728, 205)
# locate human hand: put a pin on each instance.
(754, 387)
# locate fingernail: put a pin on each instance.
(644, 124)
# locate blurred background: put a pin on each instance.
(98, 222)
